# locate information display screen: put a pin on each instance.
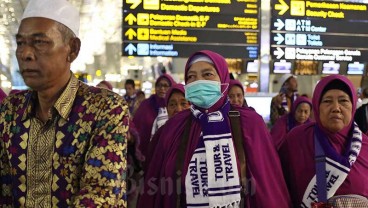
(330, 68)
(177, 28)
(282, 67)
(252, 66)
(319, 30)
(356, 68)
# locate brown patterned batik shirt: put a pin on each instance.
(75, 159)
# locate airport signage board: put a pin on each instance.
(319, 31)
(177, 28)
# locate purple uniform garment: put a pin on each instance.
(2, 95)
(146, 115)
(153, 143)
(263, 166)
(287, 122)
(297, 152)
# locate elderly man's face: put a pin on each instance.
(42, 54)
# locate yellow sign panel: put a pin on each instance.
(282, 6)
(143, 34)
(151, 4)
(297, 8)
(142, 19)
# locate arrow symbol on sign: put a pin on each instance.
(278, 38)
(130, 19)
(278, 53)
(283, 7)
(134, 3)
(130, 49)
(130, 33)
(279, 24)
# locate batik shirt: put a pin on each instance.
(75, 159)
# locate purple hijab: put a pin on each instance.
(297, 152)
(2, 95)
(269, 190)
(147, 113)
(173, 88)
(153, 143)
(234, 82)
(287, 122)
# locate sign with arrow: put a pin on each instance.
(279, 53)
(278, 38)
(230, 23)
(130, 49)
(130, 34)
(282, 7)
(134, 3)
(329, 30)
(279, 24)
(130, 19)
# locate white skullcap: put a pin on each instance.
(59, 10)
(199, 58)
(285, 77)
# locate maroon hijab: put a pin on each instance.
(338, 139)
(172, 89)
(287, 122)
(221, 67)
(234, 82)
(267, 190)
(297, 152)
(147, 113)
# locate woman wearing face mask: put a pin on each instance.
(195, 163)
(328, 157)
(299, 114)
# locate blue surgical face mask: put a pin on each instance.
(203, 93)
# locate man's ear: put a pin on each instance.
(75, 45)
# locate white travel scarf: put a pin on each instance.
(336, 172)
(212, 179)
(160, 120)
(284, 102)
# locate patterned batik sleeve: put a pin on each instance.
(275, 112)
(103, 182)
(5, 176)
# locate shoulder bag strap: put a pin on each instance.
(180, 155)
(239, 147)
(320, 159)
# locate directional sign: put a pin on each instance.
(130, 49)
(333, 31)
(212, 23)
(174, 49)
(279, 24)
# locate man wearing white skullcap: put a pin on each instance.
(282, 102)
(62, 142)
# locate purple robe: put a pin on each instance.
(264, 173)
(287, 122)
(297, 152)
(153, 143)
(2, 95)
(146, 115)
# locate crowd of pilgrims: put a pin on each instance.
(201, 145)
